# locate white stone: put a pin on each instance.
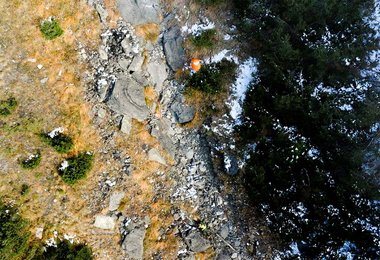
(39, 232)
(126, 125)
(115, 200)
(154, 155)
(104, 222)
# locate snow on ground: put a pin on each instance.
(245, 76)
(56, 131)
(223, 54)
(197, 28)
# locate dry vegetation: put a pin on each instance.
(51, 97)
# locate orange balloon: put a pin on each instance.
(196, 64)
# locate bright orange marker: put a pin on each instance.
(196, 64)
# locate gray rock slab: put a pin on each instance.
(115, 200)
(136, 63)
(127, 98)
(39, 232)
(126, 125)
(158, 74)
(124, 64)
(154, 155)
(133, 241)
(162, 132)
(182, 113)
(173, 48)
(104, 222)
(140, 11)
(103, 14)
(196, 242)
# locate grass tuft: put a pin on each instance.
(60, 142)
(76, 167)
(50, 29)
(32, 161)
(7, 106)
(205, 40)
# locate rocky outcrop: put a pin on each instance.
(174, 52)
(140, 11)
(196, 242)
(182, 113)
(127, 98)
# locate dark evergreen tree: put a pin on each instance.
(308, 118)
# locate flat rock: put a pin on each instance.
(136, 63)
(196, 242)
(126, 125)
(173, 48)
(127, 98)
(140, 11)
(154, 155)
(162, 132)
(133, 240)
(103, 14)
(39, 232)
(104, 222)
(115, 200)
(158, 74)
(182, 113)
(124, 64)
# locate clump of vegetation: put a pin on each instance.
(205, 40)
(7, 106)
(14, 233)
(64, 250)
(76, 167)
(32, 161)
(25, 188)
(50, 29)
(61, 142)
(212, 78)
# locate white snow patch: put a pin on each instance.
(56, 131)
(224, 54)
(227, 163)
(240, 87)
(345, 107)
(198, 28)
(227, 37)
(64, 165)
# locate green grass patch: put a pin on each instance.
(7, 106)
(66, 250)
(61, 142)
(32, 161)
(76, 167)
(25, 188)
(212, 78)
(205, 40)
(50, 29)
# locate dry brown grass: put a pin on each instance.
(148, 31)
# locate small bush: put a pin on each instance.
(7, 106)
(75, 167)
(206, 39)
(65, 251)
(211, 78)
(50, 29)
(60, 142)
(32, 161)
(24, 189)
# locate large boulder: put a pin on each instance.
(133, 234)
(196, 242)
(182, 113)
(127, 98)
(173, 48)
(155, 156)
(158, 73)
(140, 11)
(104, 222)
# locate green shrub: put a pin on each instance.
(75, 167)
(66, 251)
(32, 161)
(24, 189)
(14, 235)
(60, 142)
(206, 39)
(7, 106)
(211, 78)
(51, 29)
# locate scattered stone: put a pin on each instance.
(40, 66)
(115, 200)
(126, 125)
(158, 74)
(127, 98)
(103, 14)
(102, 113)
(103, 54)
(196, 242)
(182, 113)
(44, 80)
(234, 255)
(139, 11)
(154, 155)
(136, 63)
(174, 52)
(190, 154)
(133, 238)
(39, 233)
(224, 232)
(104, 222)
